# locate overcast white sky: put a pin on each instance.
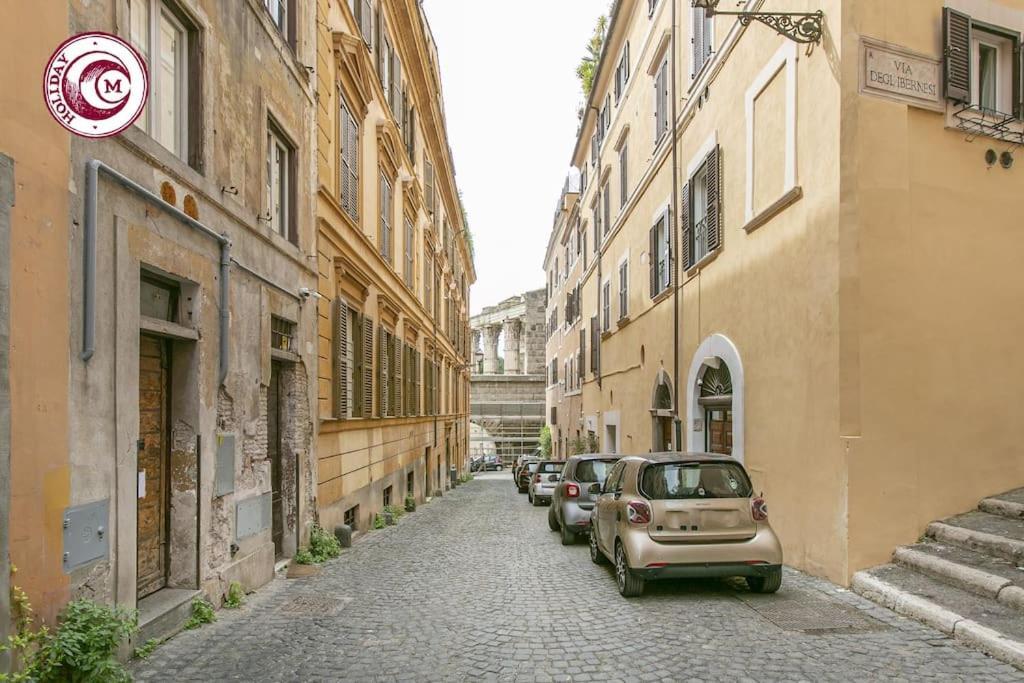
(508, 70)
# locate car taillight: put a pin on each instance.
(638, 512)
(759, 509)
(572, 490)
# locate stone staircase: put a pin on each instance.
(965, 578)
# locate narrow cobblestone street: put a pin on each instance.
(474, 586)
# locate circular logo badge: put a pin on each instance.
(95, 85)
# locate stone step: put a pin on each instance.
(1009, 504)
(983, 532)
(980, 622)
(163, 614)
(979, 573)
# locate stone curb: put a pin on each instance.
(969, 632)
(1003, 508)
(1012, 596)
(905, 603)
(960, 575)
(1006, 548)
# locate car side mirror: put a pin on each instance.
(595, 489)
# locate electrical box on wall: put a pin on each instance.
(86, 534)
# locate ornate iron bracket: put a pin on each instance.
(800, 27)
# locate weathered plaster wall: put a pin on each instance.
(39, 313)
(249, 75)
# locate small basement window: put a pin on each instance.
(352, 517)
(387, 496)
(282, 334)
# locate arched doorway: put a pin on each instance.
(714, 403)
(662, 402)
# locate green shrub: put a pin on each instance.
(378, 521)
(304, 557)
(146, 649)
(322, 545)
(395, 511)
(410, 503)
(236, 595)
(84, 646)
(202, 613)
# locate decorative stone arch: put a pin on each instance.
(662, 413)
(720, 347)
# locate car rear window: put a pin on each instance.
(593, 470)
(549, 467)
(687, 480)
(532, 467)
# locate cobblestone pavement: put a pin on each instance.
(473, 586)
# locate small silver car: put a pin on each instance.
(572, 500)
(544, 480)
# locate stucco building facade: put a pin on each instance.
(797, 256)
(394, 266)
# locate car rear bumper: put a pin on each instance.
(762, 550)
(574, 517)
(709, 569)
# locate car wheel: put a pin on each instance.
(766, 584)
(566, 535)
(552, 522)
(500, 468)
(596, 556)
(630, 585)
(521, 489)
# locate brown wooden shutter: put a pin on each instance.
(1018, 75)
(652, 258)
(956, 31)
(382, 373)
(684, 222)
(428, 184)
(339, 345)
(367, 367)
(379, 50)
(396, 85)
(365, 10)
(399, 351)
(582, 354)
(353, 162)
(714, 198)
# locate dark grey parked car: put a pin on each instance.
(572, 501)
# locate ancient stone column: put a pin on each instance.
(472, 351)
(512, 335)
(491, 333)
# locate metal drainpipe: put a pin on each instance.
(673, 250)
(596, 342)
(92, 170)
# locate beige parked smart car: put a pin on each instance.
(677, 515)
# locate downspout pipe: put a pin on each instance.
(92, 170)
(673, 250)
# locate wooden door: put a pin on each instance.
(719, 422)
(154, 464)
(274, 453)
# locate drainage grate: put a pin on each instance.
(811, 613)
(313, 605)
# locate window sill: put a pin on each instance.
(623, 321)
(164, 328)
(777, 207)
(662, 295)
(605, 334)
(287, 356)
(704, 261)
